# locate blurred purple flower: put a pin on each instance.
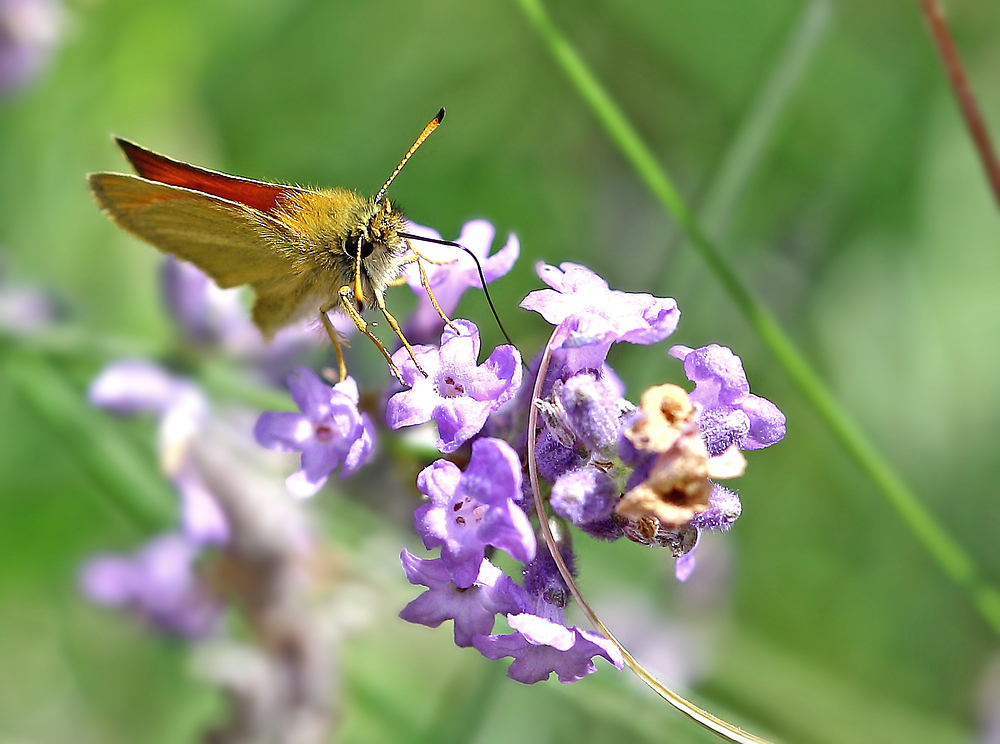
(470, 510)
(456, 393)
(25, 310)
(211, 317)
(449, 280)
(730, 413)
(540, 647)
(330, 431)
(29, 33)
(202, 519)
(157, 583)
(473, 609)
(137, 386)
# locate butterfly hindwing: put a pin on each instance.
(227, 240)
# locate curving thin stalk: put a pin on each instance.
(716, 725)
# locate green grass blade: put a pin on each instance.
(944, 549)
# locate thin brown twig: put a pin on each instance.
(941, 34)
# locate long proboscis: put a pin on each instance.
(479, 269)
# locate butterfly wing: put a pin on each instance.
(260, 195)
(231, 242)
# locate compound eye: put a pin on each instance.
(356, 242)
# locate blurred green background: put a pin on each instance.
(854, 207)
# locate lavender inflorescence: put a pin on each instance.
(610, 468)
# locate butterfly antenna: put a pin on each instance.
(479, 268)
(420, 140)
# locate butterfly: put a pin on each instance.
(302, 251)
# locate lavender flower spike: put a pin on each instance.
(456, 393)
(470, 510)
(540, 647)
(730, 413)
(330, 432)
(473, 609)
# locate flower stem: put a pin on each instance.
(934, 14)
(944, 549)
(716, 725)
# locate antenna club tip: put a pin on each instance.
(440, 115)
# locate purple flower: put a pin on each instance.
(449, 280)
(214, 318)
(684, 566)
(137, 386)
(730, 413)
(473, 609)
(591, 317)
(157, 583)
(593, 410)
(584, 495)
(24, 309)
(540, 647)
(29, 32)
(553, 457)
(202, 518)
(329, 431)
(456, 393)
(546, 593)
(186, 291)
(470, 510)
(724, 508)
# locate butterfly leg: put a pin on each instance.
(347, 304)
(380, 301)
(426, 283)
(338, 344)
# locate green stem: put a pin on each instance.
(945, 550)
(127, 480)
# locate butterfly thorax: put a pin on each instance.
(323, 231)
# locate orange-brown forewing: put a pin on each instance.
(259, 195)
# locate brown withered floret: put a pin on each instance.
(678, 484)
